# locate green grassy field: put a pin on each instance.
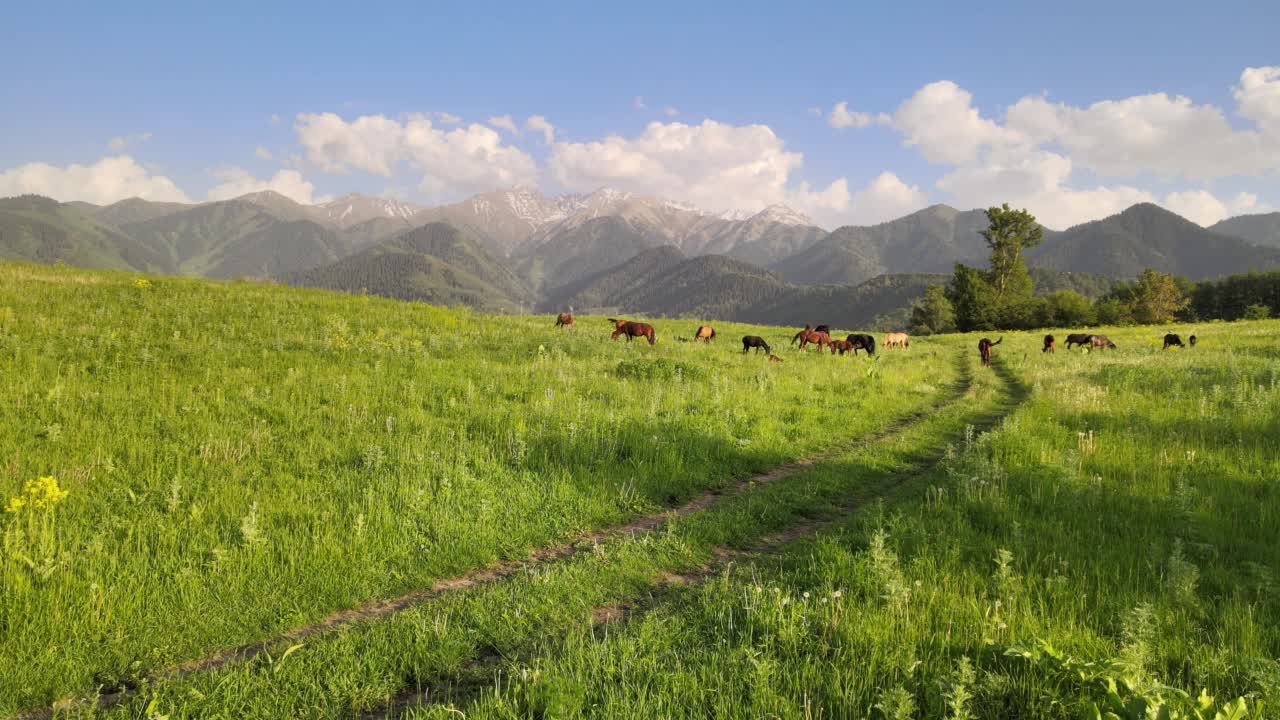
(239, 461)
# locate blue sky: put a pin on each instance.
(189, 96)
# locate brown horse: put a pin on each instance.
(1192, 340)
(705, 333)
(807, 329)
(843, 346)
(1049, 344)
(897, 339)
(632, 330)
(757, 342)
(1081, 339)
(820, 339)
(984, 349)
(774, 358)
(1100, 342)
(564, 320)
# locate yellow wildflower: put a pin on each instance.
(15, 504)
(44, 492)
(142, 283)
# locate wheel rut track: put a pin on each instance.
(494, 573)
(465, 684)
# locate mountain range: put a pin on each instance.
(516, 249)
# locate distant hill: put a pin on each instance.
(1148, 236)
(1262, 229)
(931, 240)
(596, 292)
(135, 210)
(43, 230)
(436, 263)
(595, 245)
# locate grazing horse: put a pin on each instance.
(774, 358)
(820, 339)
(1172, 340)
(1192, 340)
(843, 346)
(705, 333)
(1100, 342)
(1081, 339)
(564, 320)
(897, 339)
(1049, 344)
(807, 329)
(861, 342)
(632, 330)
(823, 328)
(984, 349)
(757, 342)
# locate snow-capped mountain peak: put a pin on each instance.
(782, 215)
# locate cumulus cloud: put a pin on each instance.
(445, 118)
(504, 122)
(842, 117)
(713, 165)
(885, 198)
(1202, 207)
(453, 162)
(236, 181)
(262, 153)
(539, 124)
(105, 181)
(1258, 97)
(942, 123)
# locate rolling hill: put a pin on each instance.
(1261, 229)
(39, 229)
(435, 263)
(1148, 236)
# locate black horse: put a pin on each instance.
(757, 342)
(1172, 340)
(862, 342)
(1081, 339)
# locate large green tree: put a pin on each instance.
(973, 299)
(1157, 298)
(933, 314)
(1008, 233)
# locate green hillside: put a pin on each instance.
(592, 247)
(42, 230)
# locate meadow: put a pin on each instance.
(201, 466)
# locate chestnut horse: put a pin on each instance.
(820, 339)
(1049, 344)
(774, 358)
(705, 333)
(564, 320)
(807, 329)
(862, 342)
(757, 342)
(632, 330)
(897, 339)
(1100, 342)
(984, 349)
(843, 346)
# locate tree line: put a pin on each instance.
(1003, 296)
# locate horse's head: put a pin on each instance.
(617, 323)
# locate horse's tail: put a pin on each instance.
(613, 321)
(871, 344)
(653, 336)
(997, 342)
(713, 333)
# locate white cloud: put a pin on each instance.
(670, 111)
(262, 153)
(885, 198)
(237, 181)
(1258, 96)
(940, 120)
(539, 124)
(842, 117)
(1202, 207)
(104, 182)
(713, 165)
(447, 118)
(504, 122)
(453, 162)
(638, 103)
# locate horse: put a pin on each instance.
(896, 339)
(1192, 340)
(757, 342)
(564, 320)
(820, 339)
(632, 330)
(1172, 340)
(1049, 344)
(862, 342)
(705, 333)
(823, 328)
(774, 358)
(1081, 339)
(984, 349)
(1101, 341)
(807, 329)
(843, 346)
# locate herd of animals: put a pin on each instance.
(820, 336)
